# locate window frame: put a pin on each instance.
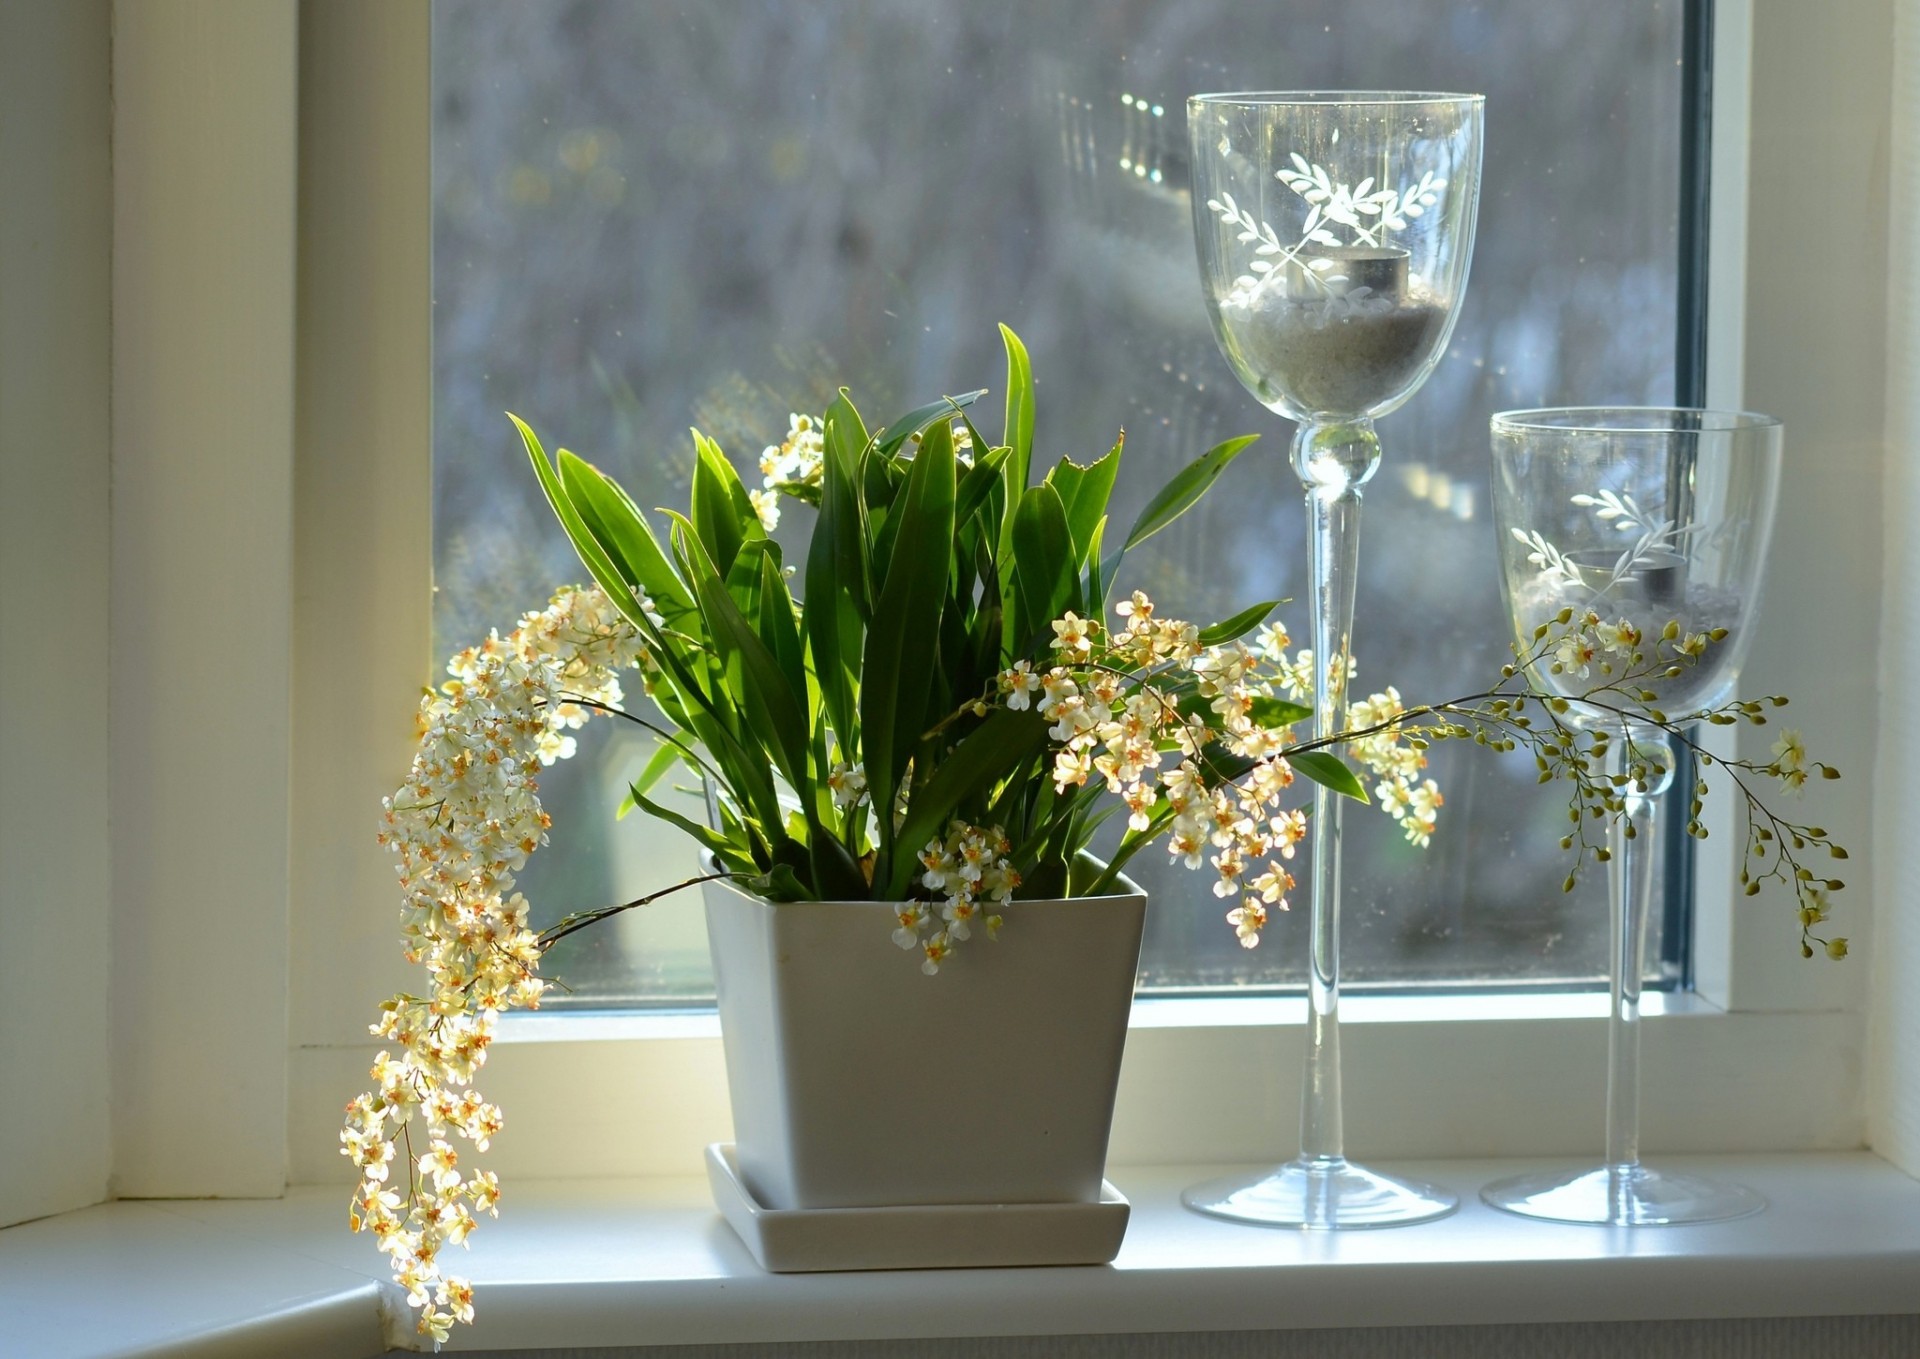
(1765, 1053)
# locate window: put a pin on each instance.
(1768, 1056)
(655, 216)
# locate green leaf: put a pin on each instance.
(772, 710)
(839, 596)
(1019, 430)
(1095, 594)
(1084, 492)
(897, 675)
(988, 619)
(1041, 568)
(880, 481)
(1179, 494)
(725, 850)
(1273, 712)
(714, 715)
(722, 515)
(1329, 771)
(841, 503)
(918, 421)
(744, 580)
(1131, 844)
(622, 532)
(1239, 625)
(997, 747)
(592, 555)
(976, 487)
(835, 873)
(779, 883)
(664, 758)
(779, 629)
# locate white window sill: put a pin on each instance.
(1469, 1004)
(636, 1262)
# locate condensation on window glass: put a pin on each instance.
(655, 216)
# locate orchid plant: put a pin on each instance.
(943, 724)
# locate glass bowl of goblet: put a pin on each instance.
(1649, 526)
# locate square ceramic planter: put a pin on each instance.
(859, 1082)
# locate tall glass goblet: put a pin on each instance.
(1334, 231)
(1652, 516)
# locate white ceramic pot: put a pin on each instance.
(858, 1081)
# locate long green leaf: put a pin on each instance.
(716, 717)
(1041, 568)
(778, 627)
(623, 534)
(771, 709)
(726, 851)
(1239, 625)
(744, 580)
(1179, 494)
(592, 555)
(780, 883)
(1277, 712)
(722, 514)
(976, 487)
(902, 643)
(919, 421)
(1019, 430)
(1131, 844)
(1329, 771)
(1097, 582)
(836, 875)
(664, 758)
(1084, 492)
(838, 591)
(997, 747)
(843, 510)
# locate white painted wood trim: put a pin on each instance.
(586, 1263)
(1213, 1081)
(1784, 1071)
(56, 246)
(203, 284)
(1893, 1110)
(363, 484)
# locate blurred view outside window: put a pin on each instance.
(650, 216)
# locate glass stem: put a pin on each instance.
(1334, 462)
(1630, 889)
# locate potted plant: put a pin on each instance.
(903, 766)
(885, 772)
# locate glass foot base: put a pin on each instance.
(1623, 1196)
(1323, 1193)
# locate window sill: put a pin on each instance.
(637, 1262)
(560, 1025)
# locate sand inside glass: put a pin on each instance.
(1333, 356)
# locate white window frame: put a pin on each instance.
(1767, 1054)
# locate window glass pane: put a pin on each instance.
(650, 216)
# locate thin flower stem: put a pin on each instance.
(553, 934)
(664, 735)
(406, 1133)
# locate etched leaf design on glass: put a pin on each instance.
(1548, 558)
(1364, 210)
(1657, 538)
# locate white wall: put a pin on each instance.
(1894, 1103)
(55, 247)
(203, 350)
